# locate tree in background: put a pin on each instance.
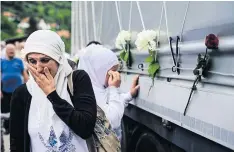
(56, 13)
(7, 28)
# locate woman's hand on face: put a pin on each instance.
(114, 79)
(135, 87)
(44, 81)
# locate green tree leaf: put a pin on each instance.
(67, 43)
(8, 28)
(149, 59)
(58, 12)
(153, 68)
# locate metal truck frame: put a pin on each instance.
(156, 120)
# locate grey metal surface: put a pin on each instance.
(210, 110)
(210, 113)
(183, 138)
(200, 14)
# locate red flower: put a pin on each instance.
(212, 41)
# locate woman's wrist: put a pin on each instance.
(53, 96)
(49, 91)
(129, 96)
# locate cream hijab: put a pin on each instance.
(96, 61)
(42, 115)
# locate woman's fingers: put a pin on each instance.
(47, 73)
(115, 79)
(111, 76)
(36, 78)
(137, 87)
(135, 80)
(39, 78)
(43, 77)
(32, 73)
(110, 72)
(33, 70)
(117, 76)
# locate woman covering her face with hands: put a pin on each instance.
(44, 114)
(101, 64)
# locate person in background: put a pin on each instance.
(2, 140)
(19, 47)
(93, 42)
(3, 49)
(81, 52)
(102, 64)
(46, 115)
(13, 75)
(3, 44)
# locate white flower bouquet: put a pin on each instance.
(123, 41)
(146, 41)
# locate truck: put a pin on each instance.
(188, 105)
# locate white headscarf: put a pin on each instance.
(41, 111)
(96, 61)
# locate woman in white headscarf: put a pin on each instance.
(101, 64)
(45, 114)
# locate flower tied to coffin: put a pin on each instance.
(146, 41)
(212, 41)
(123, 42)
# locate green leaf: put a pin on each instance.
(122, 55)
(149, 59)
(153, 68)
(126, 57)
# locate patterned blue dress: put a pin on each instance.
(51, 144)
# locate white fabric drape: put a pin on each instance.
(96, 61)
